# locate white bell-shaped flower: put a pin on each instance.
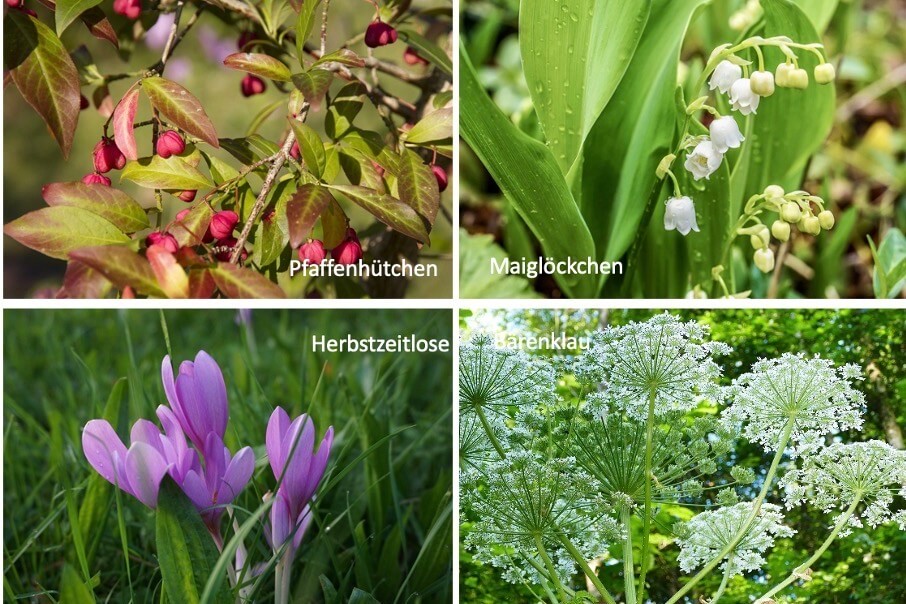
(725, 134)
(680, 215)
(724, 76)
(742, 98)
(704, 160)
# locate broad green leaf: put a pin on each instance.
(111, 204)
(170, 275)
(360, 170)
(311, 147)
(56, 231)
(574, 54)
(259, 64)
(122, 266)
(333, 224)
(250, 149)
(529, 176)
(436, 127)
(220, 170)
(475, 277)
(304, 209)
(68, 11)
(304, 24)
(359, 596)
(73, 589)
(181, 108)
(344, 56)
(344, 108)
(123, 120)
(819, 12)
(427, 50)
(417, 186)
(313, 84)
(271, 238)
(44, 73)
(237, 282)
(185, 549)
(792, 124)
(190, 231)
(391, 211)
(889, 276)
(155, 172)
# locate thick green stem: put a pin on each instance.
(628, 562)
(583, 564)
(723, 584)
(539, 543)
(796, 574)
(646, 518)
(487, 429)
(744, 529)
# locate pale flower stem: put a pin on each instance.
(282, 577)
(487, 428)
(841, 522)
(723, 584)
(589, 572)
(539, 543)
(756, 508)
(628, 562)
(646, 518)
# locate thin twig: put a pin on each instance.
(168, 47)
(324, 27)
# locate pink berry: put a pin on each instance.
(170, 143)
(379, 34)
(312, 252)
(252, 85)
(15, 3)
(96, 179)
(107, 156)
(295, 152)
(164, 240)
(441, 175)
(245, 38)
(348, 252)
(187, 196)
(131, 9)
(223, 223)
(411, 56)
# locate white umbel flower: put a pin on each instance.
(742, 98)
(725, 134)
(704, 160)
(724, 76)
(811, 393)
(680, 215)
(709, 532)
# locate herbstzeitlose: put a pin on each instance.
(197, 396)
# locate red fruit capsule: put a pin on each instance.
(226, 247)
(164, 240)
(131, 9)
(379, 34)
(188, 196)
(312, 252)
(83, 102)
(170, 143)
(411, 56)
(294, 151)
(252, 85)
(441, 175)
(348, 252)
(245, 38)
(107, 156)
(223, 223)
(15, 3)
(96, 179)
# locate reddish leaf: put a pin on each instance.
(236, 282)
(111, 204)
(122, 266)
(313, 84)
(99, 27)
(103, 101)
(171, 277)
(303, 210)
(180, 108)
(123, 119)
(389, 210)
(191, 230)
(259, 64)
(82, 281)
(44, 74)
(418, 186)
(201, 284)
(56, 231)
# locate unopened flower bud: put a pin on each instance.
(348, 252)
(791, 212)
(764, 260)
(781, 230)
(763, 83)
(825, 73)
(810, 224)
(774, 192)
(252, 85)
(827, 220)
(782, 75)
(764, 234)
(411, 57)
(96, 179)
(131, 9)
(312, 252)
(187, 196)
(441, 175)
(107, 156)
(296, 102)
(757, 242)
(170, 143)
(379, 34)
(164, 240)
(294, 151)
(223, 223)
(798, 79)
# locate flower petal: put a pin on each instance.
(277, 426)
(102, 447)
(319, 464)
(145, 468)
(299, 455)
(211, 390)
(237, 475)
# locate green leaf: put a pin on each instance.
(122, 266)
(343, 109)
(391, 211)
(180, 108)
(123, 121)
(111, 204)
(44, 73)
(68, 11)
(475, 277)
(889, 276)
(156, 172)
(360, 169)
(190, 231)
(72, 589)
(237, 282)
(272, 233)
(250, 149)
(359, 596)
(417, 186)
(819, 12)
(304, 24)
(185, 549)
(333, 224)
(344, 56)
(574, 53)
(311, 147)
(56, 231)
(436, 128)
(529, 176)
(313, 84)
(304, 209)
(427, 50)
(259, 64)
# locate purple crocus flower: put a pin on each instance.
(298, 468)
(197, 397)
